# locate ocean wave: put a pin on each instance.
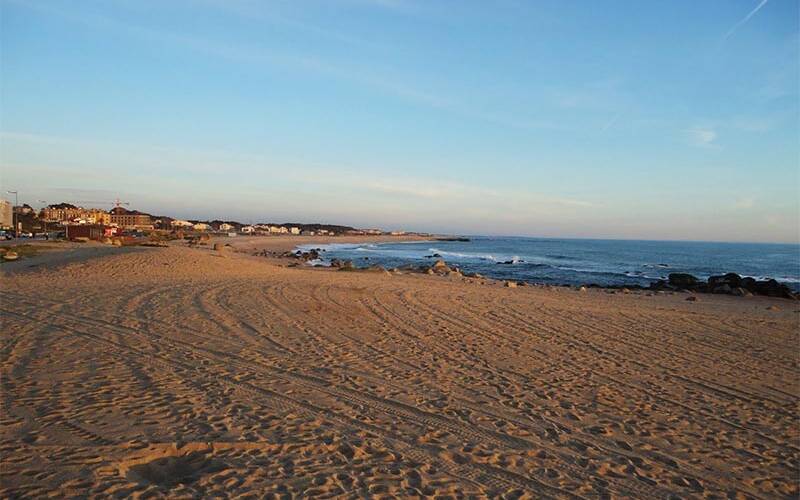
(481, 256)
(369, 248)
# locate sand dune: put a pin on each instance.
(186, 372)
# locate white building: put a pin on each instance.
(200, 226)
(181, 223)
(294, 230)
(248, 229)
(225, 227)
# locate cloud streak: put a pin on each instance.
(702, 136)
(745, 19)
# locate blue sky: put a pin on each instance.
(655, 120)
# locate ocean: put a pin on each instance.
(581, 261)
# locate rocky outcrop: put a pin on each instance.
(682, 280)
(728, 284)
(439, 267)
(342, 264)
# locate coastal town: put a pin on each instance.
(70, 221)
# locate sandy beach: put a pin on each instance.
(184, 373)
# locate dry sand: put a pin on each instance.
(183, 372)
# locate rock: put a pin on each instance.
(773, 308)
(11, 255)
(722, 289)
(625, 291)
(439, 264)
(692, 298)
(511, 284)
(741, 292)
(772, 288)
(715, 280)
(582, 289)
(430, 271)
(748, 284)
(682, 280)
(733, 279)
(661, 285)
(440, 267)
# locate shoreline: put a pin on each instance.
(728, 283)
(283, 249)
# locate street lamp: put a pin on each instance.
(44, 221)
(14, 212)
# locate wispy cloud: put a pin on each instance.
(430, 192)
(745, 19)
(438, 192)
(746, 203)
(610, 123)
(385, 80)
(702, 136)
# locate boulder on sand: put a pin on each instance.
(732, 280)
(748, 284)
(722, 289)
(511, 284)
(772, 288)
(741, 292)
(682, 280)
(440, 267)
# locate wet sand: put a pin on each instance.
(177, 372)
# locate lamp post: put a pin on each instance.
(14, 213)
(44, 222)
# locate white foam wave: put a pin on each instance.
(481, 256)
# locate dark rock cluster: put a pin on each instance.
(312, 254)
(342, 265)
(728, 284)
(440, 267)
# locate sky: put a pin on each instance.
(617, 119)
